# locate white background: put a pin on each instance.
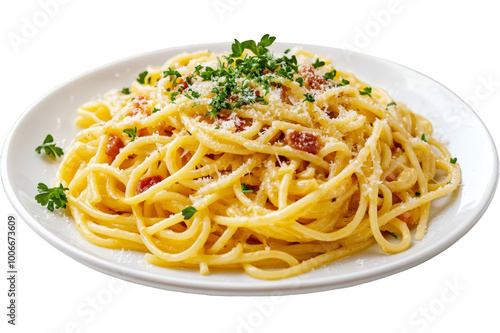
(454, 42)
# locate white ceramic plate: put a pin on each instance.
(451, 217)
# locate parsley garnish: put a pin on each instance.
(125, 91)
(318, 63)
(245, 189)
(393, 234)
(51, 197)
(300, 80)
(131, 132)
(173, 94)
(453, 160)
(234, 73)
(366, 91)
(188, 212)
(308, 98)
(423, 137)
(155, 110)
(391, 104)
(217, 127)
(343, 82)
(141, 77)
(50, 148)
(258, 49)
(170, 71)
(330, 75)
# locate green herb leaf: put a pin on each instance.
(391, 104)
(170, 71)
(245, 189)
(393, 234)
(423, 137)
(217, 127)
(125, 91)
(155, 110)
(173, 94)
(343, 81)
(330, 75)
(51, 197)
(142, 77)
(131, 132)
(50, 148)
(318, 63)
(188, 212)
(453, 160)
(366, 91)
(309, 98)
(258, 49)
(300, 80)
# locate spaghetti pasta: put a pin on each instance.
(271, 163)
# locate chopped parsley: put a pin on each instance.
(217, 127)
(393, 234)
(330, 75)
(173, 94)
(318, 63)
(366, 91)
(172, 72)
(51, 197)
(155, 110)
(142, 77)
(131, 132)
(423, 137)
(245, 189)
(125, 91)
(391, 104)
(309, 98)
(343, 81)
(453, 160)
(300, 80)
(188, 212)
(50, 148)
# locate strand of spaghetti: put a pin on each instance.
(286, 151)
(190, 252)
(104, 168)
(176, 218)
(172, 179)
(306, 265)
(115, 233)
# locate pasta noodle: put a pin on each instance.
(202, 164)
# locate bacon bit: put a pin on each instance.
(183, 83)
(139, 104)
(114, 145)
(406, 218)
(143, 132)
(167, 131)
(239, 123)
(304, 141)
(233, 98)
(145, 183)
(391, 177)
(315, 80)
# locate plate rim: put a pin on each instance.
(293, 285)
